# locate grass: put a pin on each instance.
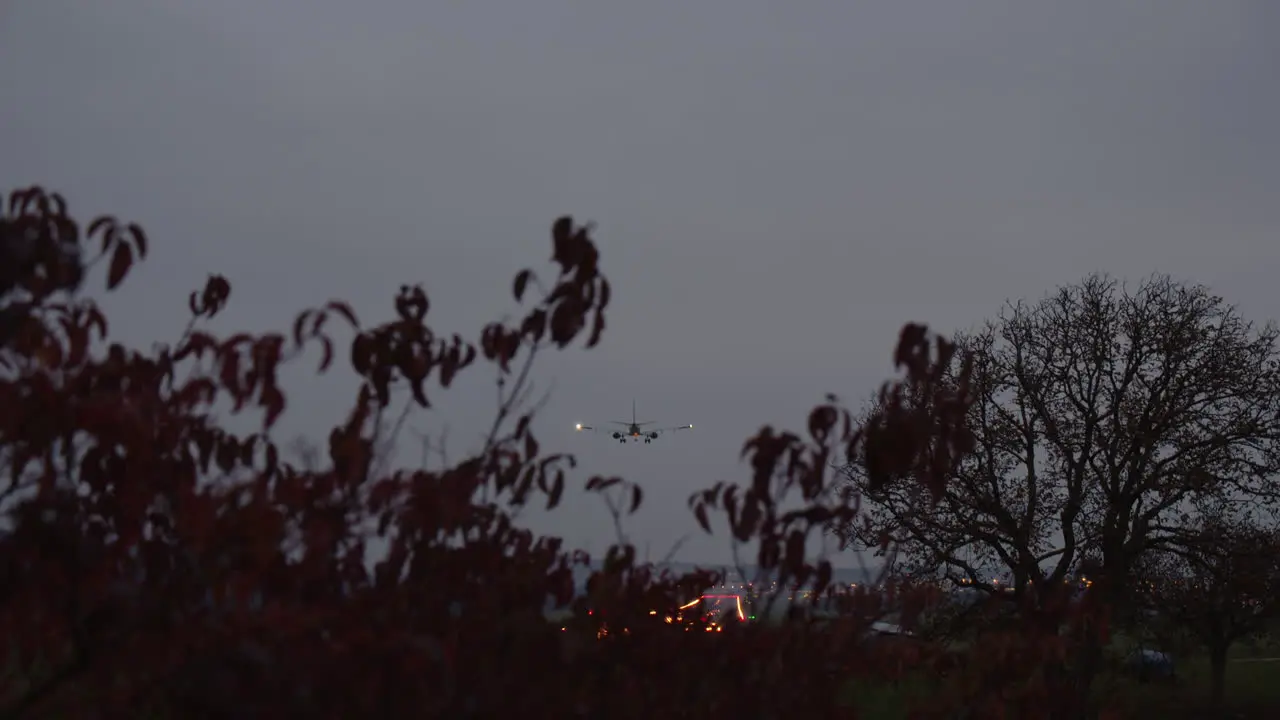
(1252, 684)
(885, 701)
(1252, 689)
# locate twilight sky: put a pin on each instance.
(778, 186)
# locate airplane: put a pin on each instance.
(633, 430)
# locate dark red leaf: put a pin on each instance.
(121, 260)
(345, 311)
(139, 239)
(521, 283)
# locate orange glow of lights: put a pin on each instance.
(737, 599)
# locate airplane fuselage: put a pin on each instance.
(634, 432)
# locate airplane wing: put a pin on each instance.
(671, 429)
(646, 435)
(618, 433)
(593, 428)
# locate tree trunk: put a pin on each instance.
(1088, 662)
(1096, 609)
(1218, 674)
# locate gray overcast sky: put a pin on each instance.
(778, 186)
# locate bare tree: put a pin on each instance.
(1100, 415)
(1218, 587)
